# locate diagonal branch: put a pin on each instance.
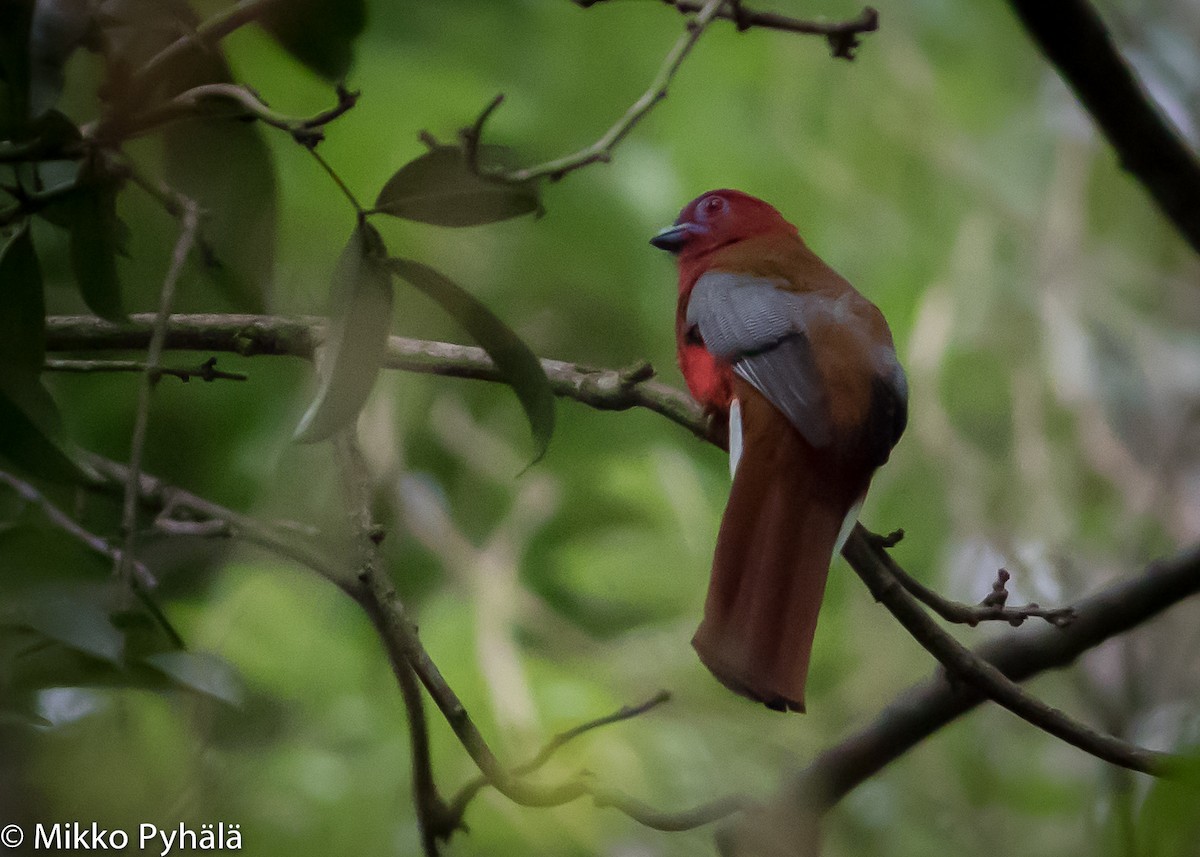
(460, 802)
(925, 708)
(601, 150)
(1074, 39)
(373, 590)
(877, 571)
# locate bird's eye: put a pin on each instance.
(712, 206)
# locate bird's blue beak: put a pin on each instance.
(674, 238)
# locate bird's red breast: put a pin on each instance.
(762, 322)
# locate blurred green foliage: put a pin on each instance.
(1045, 313)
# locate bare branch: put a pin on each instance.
(248, 335)
(205, 518)
(878, 572)
(206, 371)
(602, 149)
(841, 35)
(925, 708)
(432, 812)
(1074, 39)
(467, 793)
(69, 526)
(308, 132)
(206, 34)
(190, 221)
(992, 609)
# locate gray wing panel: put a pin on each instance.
(739, 314)
(787, 376)
(760, 329)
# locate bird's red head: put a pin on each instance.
(717, 218)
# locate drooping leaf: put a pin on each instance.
(94, 243)
(319, 33)
(29, 427)
(518, 365)
(75, 620)
(440, 188)
(202, 672)
(22, 306)
(357, 338)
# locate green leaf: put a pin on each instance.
(94, 243)
(73, 619)
(22, 306)
(357, 339)
(319, 33)
(517, 364)
(30, 422)
(440, 188)
(202, 672)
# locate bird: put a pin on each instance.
(802, 368)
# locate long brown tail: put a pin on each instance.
(785, 511)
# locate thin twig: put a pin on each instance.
(171, 200)
(206, 34)
(68, 525)
(187, 235)
(841, 35)
(993, 608)
(459, 803)
(878, 571)
(305, 131)
(209, 519)
(337, 180)
(601, 150)
(206, 371)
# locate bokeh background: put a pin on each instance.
(1046, 314)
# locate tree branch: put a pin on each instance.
(251, 335)
(68, 525)
(373, 590)
(189, 223)
(993, 608)
(206, 371)
(308, 132)
(991, 672)
(1074, 39)
(878, 572)
(601, 150)
(460, 802)
(841, 35)
(925, 708)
